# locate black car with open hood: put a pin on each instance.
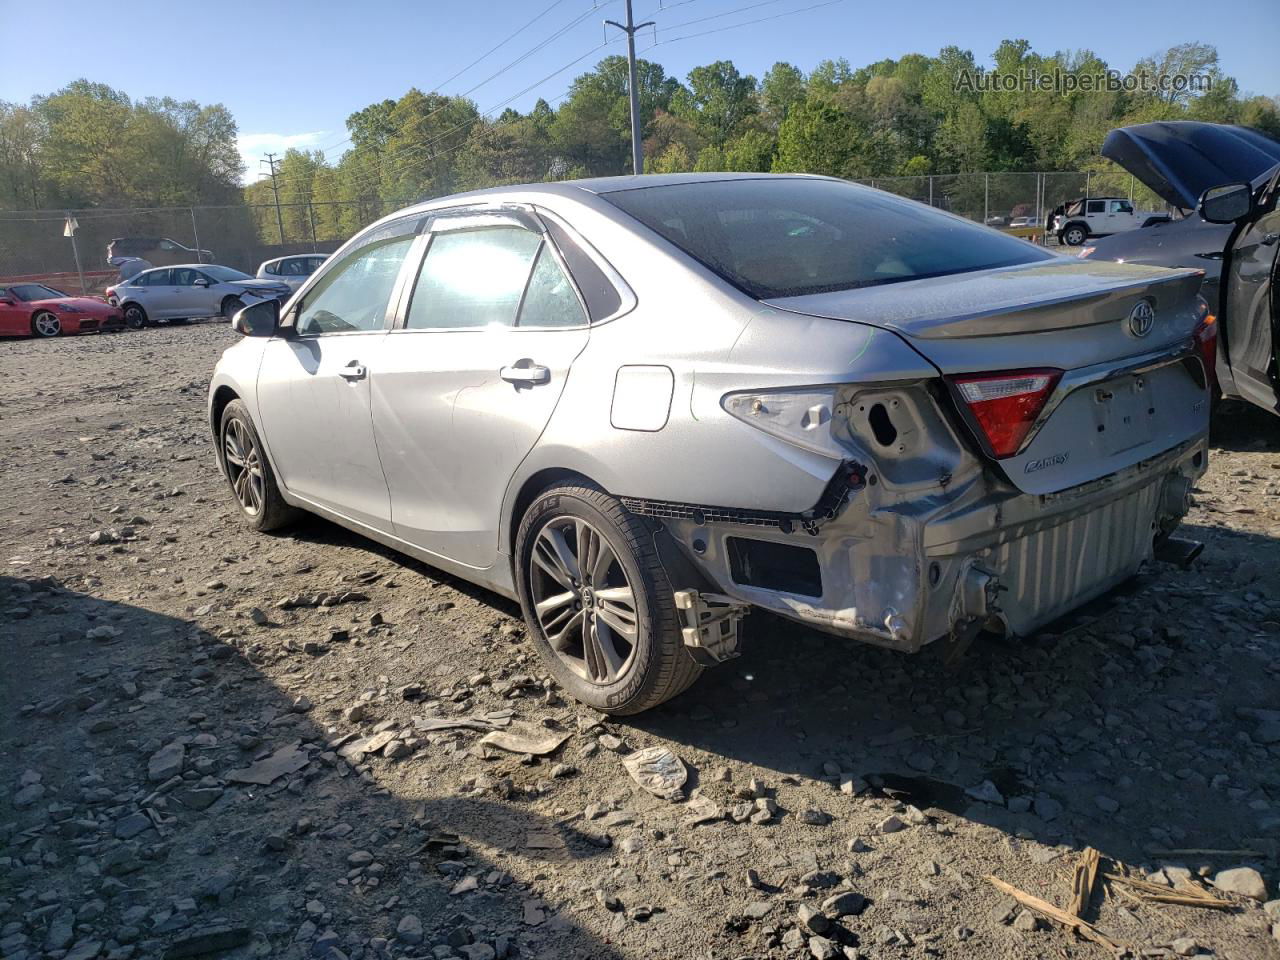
(1222, 180)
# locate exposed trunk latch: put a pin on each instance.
(711, 622)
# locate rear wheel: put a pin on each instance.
(248, 471)
(598, 603)
(231, 306)
(1074, 235)
(46, 324)
(135, 318)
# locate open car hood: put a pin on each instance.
(1181, 159)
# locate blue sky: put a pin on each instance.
(291, 72)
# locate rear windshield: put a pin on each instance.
(789, 237)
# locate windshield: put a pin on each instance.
(788, 237)
(30, 292)
(223, 274)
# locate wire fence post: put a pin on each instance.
(195, 231)
(986, 197)
(931, 190)
(311, 214)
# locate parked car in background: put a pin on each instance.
(35, 310)
(1223, 182)
(160, 251)
(1022, 223)
(187, 291)
(293, 269)
(1076, 221)
(644, 405)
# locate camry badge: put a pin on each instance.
(1142, 318)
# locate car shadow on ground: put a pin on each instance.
(1241, 426)
(116, 683)
(1121, 728)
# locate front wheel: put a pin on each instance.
(231, 306)
(46, 324)
(598, 603)
(253, 483)
(135, 318)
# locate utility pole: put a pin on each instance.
(271, 162)
(630, 28)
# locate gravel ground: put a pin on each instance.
(238, 745)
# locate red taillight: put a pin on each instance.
(1005, 405)
(1207, 343)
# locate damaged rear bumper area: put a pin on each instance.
(901, 565)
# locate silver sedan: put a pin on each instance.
(189, 290)
(644, 406)
(292, 270)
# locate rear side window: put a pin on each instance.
(791, 236)
(154, 278)
(601, 296)
(473, 278)
(549, 300)
(1096, 206)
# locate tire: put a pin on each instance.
(135, 318)
(46, 325)
(230, 306)
(248, 471)
(614, 673)
(1073, 235)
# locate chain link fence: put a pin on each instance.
(33, 244)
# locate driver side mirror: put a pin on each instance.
(201, 282)
(261, 319)
(1226, 204)
(7, 302)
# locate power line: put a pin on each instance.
(398, 167)
(745, 23)
(557, 34)
(499, 45)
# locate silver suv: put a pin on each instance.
(189, 290)
(646, 405)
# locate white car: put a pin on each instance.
(292, 270)
(1077, 220)
(189, 290)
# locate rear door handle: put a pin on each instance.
(526, 376)
(353, 371)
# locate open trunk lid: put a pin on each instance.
(1127, 391)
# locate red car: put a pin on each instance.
(34, 310)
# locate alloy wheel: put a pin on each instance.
(47, 325)
(583, 600)
(244, 466)
(134, 318)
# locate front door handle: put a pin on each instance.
(527, 376)
(1270, 239)
(353, 371)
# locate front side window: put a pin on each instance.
(473, 278)
(793, 236)
(1121, 206)
(353, 295)
(184, 277)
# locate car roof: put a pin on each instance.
(597, 185)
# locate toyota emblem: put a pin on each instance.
(1142, 318)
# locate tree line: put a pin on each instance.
(88, 145)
